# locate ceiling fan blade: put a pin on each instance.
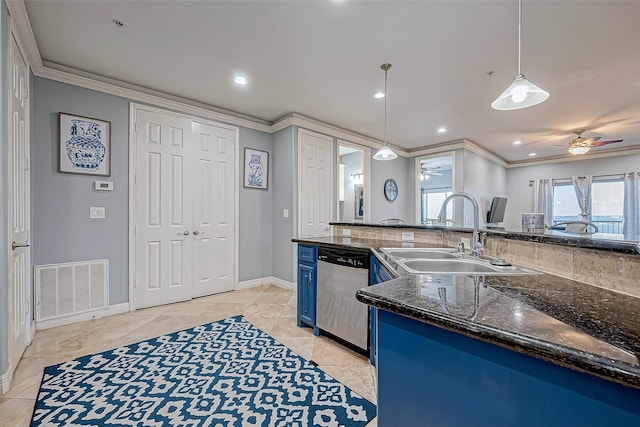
(600, 143)
(433, 173)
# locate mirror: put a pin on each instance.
(434, 183)
(353, 179)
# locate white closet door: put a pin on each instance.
(19, 208)
(214, 209)
(163, 255)
(315, 192)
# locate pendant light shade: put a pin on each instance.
(385, 153)
(521, 93)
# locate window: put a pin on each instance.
(432, 200)
(607, 200)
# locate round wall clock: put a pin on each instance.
(390, 189)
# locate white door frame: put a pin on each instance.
(5, 380)
(133, 108)
(366, 182)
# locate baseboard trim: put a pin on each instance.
(270, 280)
(283, 283)
(81, 317)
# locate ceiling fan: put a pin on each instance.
(426, 173)
(580, 145)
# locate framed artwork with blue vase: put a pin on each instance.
(256, 169)
(85, 145)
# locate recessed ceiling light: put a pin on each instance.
(378, 95)
(517, 142)
(240, 80)
(442, 130)
(532, 154)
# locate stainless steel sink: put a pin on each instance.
(462, 266)
(426, 253)
(446, 261)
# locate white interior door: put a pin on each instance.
(163, 209)
(19, 208)
(214, 209)
(315, 191)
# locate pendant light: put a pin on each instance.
(385, 153)
(521, 93)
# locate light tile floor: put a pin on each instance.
(270, 308)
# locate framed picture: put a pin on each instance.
(85, 145)
(359, 211)
(256, 169)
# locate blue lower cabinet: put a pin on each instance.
(377, 274)
(306, 295)
(307, 285)
(428, 375)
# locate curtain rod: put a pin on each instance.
(618, 175)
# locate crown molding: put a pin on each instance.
(315, 125)
(616, 152)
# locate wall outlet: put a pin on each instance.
(407, 236)
(467, 243)
(96, 212)
(285, 213)
(346, 232)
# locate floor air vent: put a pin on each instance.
(71, 288)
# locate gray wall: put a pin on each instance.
(285, 183)
(520, 194)
(256, 213)
(4, 285)
(62, 230)
(483, 179)
(399, 169)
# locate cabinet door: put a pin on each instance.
(306, 295)
(377, 274)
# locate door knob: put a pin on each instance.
(196, 232)
(15, 245)
(184, 233)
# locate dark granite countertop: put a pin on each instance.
(603, 241)
(568, 323)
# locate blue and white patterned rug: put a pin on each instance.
(227, 373)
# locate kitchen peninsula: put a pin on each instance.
(498, 350)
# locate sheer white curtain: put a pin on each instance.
(543, 199)
(582, 185)
(631, 228)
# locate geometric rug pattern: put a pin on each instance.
(226, 373)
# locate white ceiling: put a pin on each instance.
(322, 59)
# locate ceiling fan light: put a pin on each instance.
(385, 153)
(579, 149)
(520, 94)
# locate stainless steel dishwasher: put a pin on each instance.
(340, 274)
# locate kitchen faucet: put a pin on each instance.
(477, 245)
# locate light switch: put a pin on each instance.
(96, 212)
(285, 213)
(346, 232)
(407, 236)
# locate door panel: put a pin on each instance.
(214, 209)
(19, 209)
(315, 193)
(163, 255)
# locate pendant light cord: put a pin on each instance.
(519, 36)
(385, 106)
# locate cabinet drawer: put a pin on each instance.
(308, 254)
